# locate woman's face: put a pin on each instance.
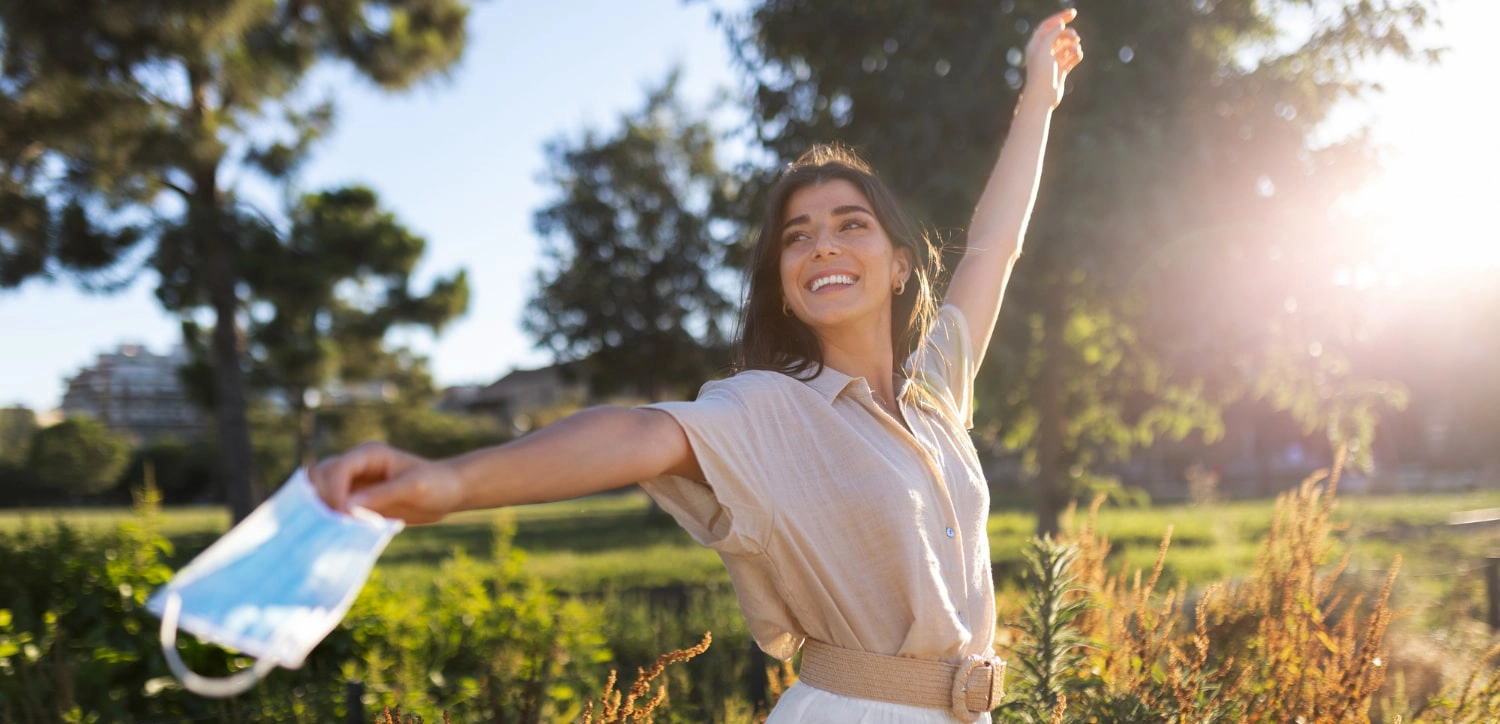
(838, 267)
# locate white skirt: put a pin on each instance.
(803, 704)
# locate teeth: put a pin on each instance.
(832, 279)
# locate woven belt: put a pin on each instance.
(967, 689)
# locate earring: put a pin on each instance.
(901, 289)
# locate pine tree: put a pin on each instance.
(122, 122)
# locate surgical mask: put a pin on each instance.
(273, 587)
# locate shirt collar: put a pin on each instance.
(830, 383)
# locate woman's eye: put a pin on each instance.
(793, 238)
(852, 224)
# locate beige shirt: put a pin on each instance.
(834, 521)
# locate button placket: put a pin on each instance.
(928, 458)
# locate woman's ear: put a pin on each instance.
(904, 265)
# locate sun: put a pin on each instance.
(1434, 209)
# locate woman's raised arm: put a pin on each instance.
(1004, 207)
(594, 450)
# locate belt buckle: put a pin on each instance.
(984, 675)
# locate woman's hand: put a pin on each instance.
(1054, 49)
(391, 482)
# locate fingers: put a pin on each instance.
(424, 492)
(388, 498)
(1068, 50)
(338, 476)
(1072, 58)
(1054, 32)
(1056, 21)
(1067, 37)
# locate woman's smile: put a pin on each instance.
(832, 282)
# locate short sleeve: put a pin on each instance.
(727, 512)
(944, 364)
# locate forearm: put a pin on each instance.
(1004, 208)
(595, 450)
(1000, 221)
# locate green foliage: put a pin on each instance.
(1049, 665)
(78, 455)
(321, 303)
(633, 243)
(481, 642)
(326, 296)
(182, 470)
(436, 434)
(76, 643)
(638, 611)
(17, 425)
(121, 121)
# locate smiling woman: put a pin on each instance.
(833, 473)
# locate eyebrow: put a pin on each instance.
(837, 211)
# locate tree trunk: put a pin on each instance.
(235, 457)
(1260, 452)
(216, 241)
(1051, 490)
(304, 416)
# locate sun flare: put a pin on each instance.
(1434, 208)
(1433, 212)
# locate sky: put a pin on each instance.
(459, 161)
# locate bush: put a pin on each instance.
(76, 643)
(483, 641)
(184, 471)
(78, 456)
(1291, 642)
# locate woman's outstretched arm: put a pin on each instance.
(594, 450)
(1004, 207)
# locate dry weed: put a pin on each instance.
(636, 706)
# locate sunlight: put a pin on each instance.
(1434, 210)
(1434, 207)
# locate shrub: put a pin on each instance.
(482, 643)
(1291, 642)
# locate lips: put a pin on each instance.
(841, 279)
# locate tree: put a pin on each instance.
(78, 455)
(324, 299)
(17, 428)
(120, 121)
(1185, 200)
(633, 243)
(17, 425)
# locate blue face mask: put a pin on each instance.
(272, 587)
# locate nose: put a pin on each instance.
(824, 245)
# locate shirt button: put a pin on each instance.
(950, 533)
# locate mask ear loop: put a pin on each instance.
(217, 688)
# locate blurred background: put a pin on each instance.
(240, 235)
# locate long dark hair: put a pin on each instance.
(772, 340)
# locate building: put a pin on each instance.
(134, 391)
(515, 400)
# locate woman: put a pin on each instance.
(833, 474)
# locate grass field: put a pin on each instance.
(658, 591)
(612, 541)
